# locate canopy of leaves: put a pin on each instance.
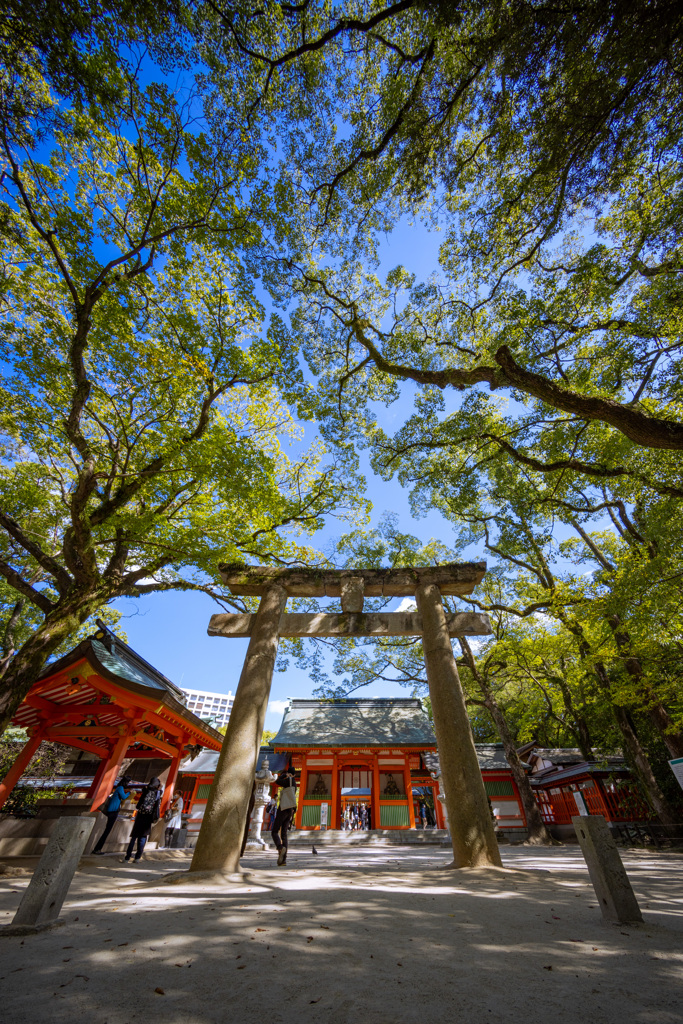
(147, 399)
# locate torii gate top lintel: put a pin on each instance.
(451, 578)
(220, 839)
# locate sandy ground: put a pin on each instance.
(351, 936)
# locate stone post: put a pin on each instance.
(220, 837)
(613, 890)
(264, 780)
(474, 841)
(41, 903)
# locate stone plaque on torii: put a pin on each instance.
(222, 831)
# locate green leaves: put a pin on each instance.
(146, 402)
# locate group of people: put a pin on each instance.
(356, 817)
(147, 810)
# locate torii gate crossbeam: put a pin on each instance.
(220, 838)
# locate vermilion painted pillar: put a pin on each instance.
(170, 783)
(408, 786)
(335, 794)
(376, 818)
(101, 768)
(20, 765)
(114, 761)
(303, 786)
(437, 808)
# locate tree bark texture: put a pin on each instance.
(28, 662)
(538, 833)
(472, 835)
(659, 716)
(658, 801)
(220, 837)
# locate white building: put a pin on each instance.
(206, 704)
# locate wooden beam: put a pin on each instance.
(150, 740)
(358, 625)
(136, 753)
(59, 731)
(80, 744)
(451, 579)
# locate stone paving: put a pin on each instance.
(349, 936)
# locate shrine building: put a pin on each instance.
(114, 710)
(380, 753)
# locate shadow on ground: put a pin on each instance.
(365, 937)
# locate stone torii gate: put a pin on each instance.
(222, 831)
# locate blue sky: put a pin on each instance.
(169, 630)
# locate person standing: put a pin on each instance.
(283, 818)
(111, 808)
(147, 813)
(174, 819)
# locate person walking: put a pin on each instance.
(111, 808)
(147, 813)
(174, 819)
(271, 811)
(283, 818)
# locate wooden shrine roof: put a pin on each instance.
(452, 578)
(491, 757)
(84, 697)
(205, 763)
(382, 722)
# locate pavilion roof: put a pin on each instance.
(78, 680)
(206, 762)
(491, 757)
(379, 722)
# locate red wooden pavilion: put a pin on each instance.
(104, 698)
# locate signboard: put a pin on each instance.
(323, 816)
(580, 803)
(677, 769)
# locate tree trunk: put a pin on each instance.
(673, 738)
(659, 716)
(658, 801)
(580, 729)
(29, 660)
(538, 833)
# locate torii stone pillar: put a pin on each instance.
(474, 840)
(220, 837)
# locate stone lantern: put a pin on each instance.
(264, 779)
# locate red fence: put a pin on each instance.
(617, 802)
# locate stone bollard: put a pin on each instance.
(264, 779)
(617, 900)
(41, 903)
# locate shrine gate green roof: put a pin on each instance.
(379, 722)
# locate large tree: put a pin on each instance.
(544, 138)
(146, 404)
